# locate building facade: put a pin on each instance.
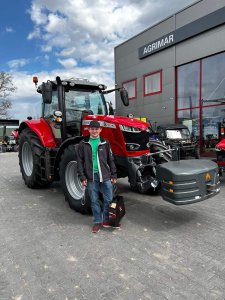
(175, 71)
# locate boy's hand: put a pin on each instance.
(113, 180)
(84, 182)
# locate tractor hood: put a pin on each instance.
(131, 122)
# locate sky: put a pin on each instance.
(70, 38)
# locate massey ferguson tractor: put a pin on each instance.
(48, 147)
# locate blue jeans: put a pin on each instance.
(105, 187)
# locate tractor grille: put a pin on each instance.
(136, 138)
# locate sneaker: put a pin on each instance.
(118, 226)
(106, 224)
(96, 228)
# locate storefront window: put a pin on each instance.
(131, 87)
(213, 78)
(206, 92)
(153, 83)
(188, 85)
(190, 118)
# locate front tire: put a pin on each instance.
(74, 192)
(30, 150)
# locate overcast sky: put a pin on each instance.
(70, 38)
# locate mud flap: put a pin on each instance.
(188, 181)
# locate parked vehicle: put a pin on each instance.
(48, 146)
(220, 156)
(179, 137)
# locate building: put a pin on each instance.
(174, 71)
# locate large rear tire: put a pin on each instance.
(75, 194)
(30, 150)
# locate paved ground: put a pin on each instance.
(47, 251)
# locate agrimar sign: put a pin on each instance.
(192, 29)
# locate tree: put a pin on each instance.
(6, 88)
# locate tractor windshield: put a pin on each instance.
(85, 101)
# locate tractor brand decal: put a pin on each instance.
(109, 125)
(102, 124)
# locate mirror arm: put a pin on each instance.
(112, 90)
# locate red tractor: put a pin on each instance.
(48, 146)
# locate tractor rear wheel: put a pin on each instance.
(30, 150)
(76, 195)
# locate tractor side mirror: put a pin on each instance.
(124, 97)
(47, 92)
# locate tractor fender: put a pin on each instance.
(63, 146)
(42, 130)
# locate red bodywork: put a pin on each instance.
(221, 145)
(43, 131)
(112, 132)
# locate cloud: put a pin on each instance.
(9, 29)
(17, 63)
(87, 31)
(68, 63)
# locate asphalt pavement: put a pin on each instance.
(162, 251)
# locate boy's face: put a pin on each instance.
(94, 132)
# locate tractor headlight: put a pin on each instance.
(132, 146)
(129, 128)
(218, 148)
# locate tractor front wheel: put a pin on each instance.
(76, 195)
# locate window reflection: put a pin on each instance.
(190, 118)
(188, 84)
(213, 78)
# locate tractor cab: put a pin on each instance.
(66, 102)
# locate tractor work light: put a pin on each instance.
(57, 113)
(102, 86)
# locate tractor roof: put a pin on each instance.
(79, 82)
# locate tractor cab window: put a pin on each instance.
(49, 112)
(50, 108)
(78, 101)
